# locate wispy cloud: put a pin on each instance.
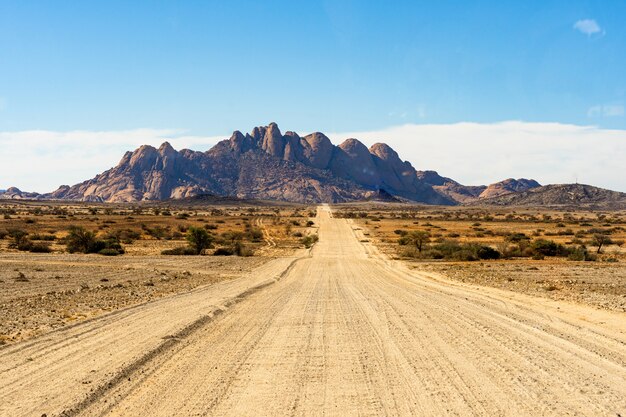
(483, 153)
(40, 160)
(588, 27)
(606, 110)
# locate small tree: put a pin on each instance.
(600, 239)
(417, 238)
(199, 239)
(80, 240)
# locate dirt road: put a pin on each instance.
(337, 331)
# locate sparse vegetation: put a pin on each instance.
(309, 240)
(85, 241)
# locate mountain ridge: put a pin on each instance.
(266, 164)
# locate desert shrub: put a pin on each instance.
(109, 252)
(581, 254)
(37, 236)
(40, 247)
(461, 252)
(400, 232)
(516, 237)
(298, 234)
(237, 248)
(210, 226)
(3, 234)
(20, 239)
(309, 240)
(85, 241)
(546, 247)
(181, 250)
(254, 234)
(157, 232)
(487, 252)
(126, 236)
(199, 239)
(223, 251)
(310, 223)
(81, 240)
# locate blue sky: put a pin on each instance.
(459, 87)
(214, 66)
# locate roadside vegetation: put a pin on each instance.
(131, 230)
(458, 234)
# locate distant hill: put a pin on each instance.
(472, 193)
(562, 195)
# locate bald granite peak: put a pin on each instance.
(267, 164)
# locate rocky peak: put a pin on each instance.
(354, 146)
(273, 142)
(166, 149)
(238, 141)
(317, 150)
(433, 178)
(353, 160)
(384, 152)
(258, 133)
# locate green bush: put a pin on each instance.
(516, 237)
(109, 252)
(309, 240)
(455, 251)
(47, 238)
(224, 251)
(581, 254)
(237, 248)
(547, 248)
(182, 250)
(199, 239)
(80, 240)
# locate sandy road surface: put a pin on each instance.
(342, 332)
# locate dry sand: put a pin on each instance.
(340, 330)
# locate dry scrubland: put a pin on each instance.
(339, 329)
(40, 292)
(526, 262)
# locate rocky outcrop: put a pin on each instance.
(507, 186)
(264, 164)
(14, 193)
(267, 164)
(562, 196)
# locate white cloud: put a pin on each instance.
(606, 110)
(39, 160)
(588, 27)
(483, 153)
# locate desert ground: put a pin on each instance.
(354, 325)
